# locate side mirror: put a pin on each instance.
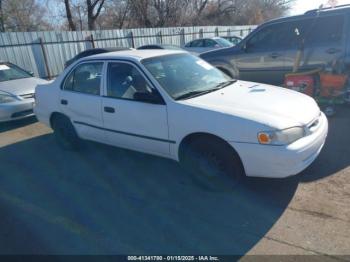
(244, 47)
(151, 98)
(31, 73)
(216, 46)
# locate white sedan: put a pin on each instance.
(175, 105)
(16, 92)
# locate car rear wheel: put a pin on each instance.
(65, 133)
(213, 164)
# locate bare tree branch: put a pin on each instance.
(91, 16)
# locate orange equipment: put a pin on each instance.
(332, 85)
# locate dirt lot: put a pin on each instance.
(105, 200)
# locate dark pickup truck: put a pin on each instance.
(270, 51)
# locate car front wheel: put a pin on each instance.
(213, 164)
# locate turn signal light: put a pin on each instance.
(264, 138)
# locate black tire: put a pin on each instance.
(213, 163)
(65, 133)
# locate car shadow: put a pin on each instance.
(335, 155)
(7, 126)
(105, 200)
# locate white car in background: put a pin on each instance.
(206, 44)
(175, 105)
(17, 88)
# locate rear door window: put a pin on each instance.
(209, 43)
(197, 43)
(325, 30)
(85, 78)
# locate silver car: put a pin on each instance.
(206, 44)
(17, 88)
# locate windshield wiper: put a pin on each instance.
(192, 94)
(225, 83)
(202, 92)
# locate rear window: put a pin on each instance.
(223, 42)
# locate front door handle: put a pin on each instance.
(109, 109)
(332, 50)
(275, 55)
(64, 102)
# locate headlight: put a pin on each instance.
(5, 98)
(281, 137)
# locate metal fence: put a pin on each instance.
(44, 53)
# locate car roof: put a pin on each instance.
(230, 36)
(152, 45)
(205, 38)
(136, 54)
(214, 37)
(311, 14)
(103, 49)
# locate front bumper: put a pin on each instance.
(282, 161)
(16, 110)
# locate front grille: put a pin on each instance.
(22, 113)
(27, 96)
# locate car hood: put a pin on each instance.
(220, 52)
(21, 86)
(273, 106)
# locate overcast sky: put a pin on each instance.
(301, 6)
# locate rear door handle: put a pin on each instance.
(64, 102)
(275, 55)
(109, 109)
(332, 50)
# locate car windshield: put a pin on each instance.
(11, 72)
(223, 42)
(184, 76)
